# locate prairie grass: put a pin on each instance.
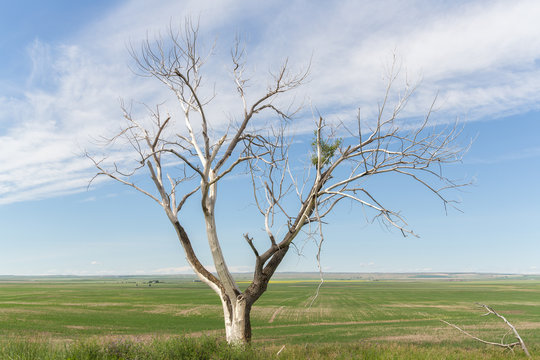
(61, 319)
(211, 348)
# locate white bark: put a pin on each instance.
(231, 288)
(237, 321)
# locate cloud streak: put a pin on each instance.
(482, 57)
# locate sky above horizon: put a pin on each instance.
(65, 68)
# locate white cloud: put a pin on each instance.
(482, 56)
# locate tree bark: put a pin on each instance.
(237, 320)
(236, 309)
(208, 207)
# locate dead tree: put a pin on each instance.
(287, 200)
(508, 346)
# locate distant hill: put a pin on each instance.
(296, 276)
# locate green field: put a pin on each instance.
(378, 314)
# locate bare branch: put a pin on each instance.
(508, 346)
(318, 256)
(250, 242)
(102, 171)
(186, 196)
(520, 340)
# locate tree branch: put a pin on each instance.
(508, 346)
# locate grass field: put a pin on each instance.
(357, 314)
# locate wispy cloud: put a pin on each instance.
(527, 153)
(482, 57)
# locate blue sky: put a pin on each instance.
(64, 68)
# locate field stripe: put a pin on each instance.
(275, 314)
(343, 323)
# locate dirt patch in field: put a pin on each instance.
(527, 325)
(513, 312)
(80, 327)
(25, 303)
(187, 312)
(503, 326)
(158, 309)
(103, 304)
(47, 303)
(446, 307)
(139, 338)
(275, 314)
(176, 310)
(338, 323)
(409, 338)
(19, 311)
(517, 303)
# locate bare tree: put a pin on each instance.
(286, 199)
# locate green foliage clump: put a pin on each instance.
(328, 150)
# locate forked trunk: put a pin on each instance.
(237, 320)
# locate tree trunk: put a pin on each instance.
(237, 320)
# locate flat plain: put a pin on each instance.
(348, 311)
